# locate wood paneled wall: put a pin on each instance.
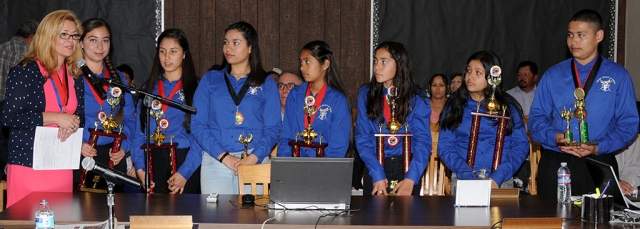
(284, 26)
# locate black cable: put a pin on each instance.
(334, 214)
(494, 225)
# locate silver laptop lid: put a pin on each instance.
(311, 183)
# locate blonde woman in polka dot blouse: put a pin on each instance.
(42, 90)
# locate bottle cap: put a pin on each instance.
(563, 164)
(44, 202)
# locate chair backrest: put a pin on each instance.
(254, 175)
(436, 181)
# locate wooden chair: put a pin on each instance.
(435, 180)
(535, 152)
(254, 175)
(3, 187)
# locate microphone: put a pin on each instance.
(96, 82)
(110, 174)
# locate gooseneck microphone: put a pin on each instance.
(110, 174)
(96, 82)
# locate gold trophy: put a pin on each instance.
(308, 134)
(245, 141)
(158, 137)
(581, 114)
(567, 115)
(113, 100)
(108, 123)
(156, 112)
(493, 109)
(393, 125)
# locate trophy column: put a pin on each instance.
(392, 138)
(308, 134)
(493, 107)
(108, 124)
(158, 137)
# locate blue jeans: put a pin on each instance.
(217, 178)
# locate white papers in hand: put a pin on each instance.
(51, 154)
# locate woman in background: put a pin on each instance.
(456, 125)
(173, 77)
(96, 48)
(42, 90)
(238, 99)
(332, 118)
(392, 67)
(438, 93)
(456, 81)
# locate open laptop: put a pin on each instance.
(311, 183)
(601, 173)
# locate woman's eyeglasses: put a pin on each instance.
(73, 36)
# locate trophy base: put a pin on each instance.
(163, 146)
(93, 190)
(577, 143)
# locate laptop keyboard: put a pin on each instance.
(626, 216)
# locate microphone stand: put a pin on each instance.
(111, 202)
(148, 100)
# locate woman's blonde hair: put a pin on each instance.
(43, 48)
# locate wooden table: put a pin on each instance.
(375, 212)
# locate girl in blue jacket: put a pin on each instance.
(96, 47)
(173, 77)
(392, 67)
(455, 125)
(332, 119)
(238, 99)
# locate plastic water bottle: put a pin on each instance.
(44, 216)
(564, 184)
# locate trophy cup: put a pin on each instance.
(158, 137)
(493, 109)
(108, 124)
(580, 113)
(308, 134)
(245, 141)
(567, 115)
(393, 126)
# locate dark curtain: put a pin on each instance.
(133, 24)
(442, 34)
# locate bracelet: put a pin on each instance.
(223, 156)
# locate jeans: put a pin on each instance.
(217, 178)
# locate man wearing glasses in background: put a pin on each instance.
(286, 81)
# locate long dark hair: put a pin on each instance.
(189, 76)
(454, 107)
(88, 26)
(403, 81)
(258, 75)
(321, 51)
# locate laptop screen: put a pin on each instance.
(601, 173)
(311, 183)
